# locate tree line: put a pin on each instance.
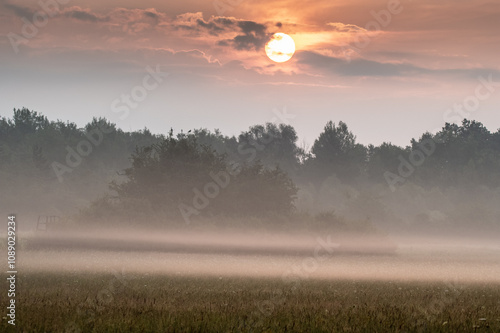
(206, 173)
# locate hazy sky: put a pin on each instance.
(390, 69)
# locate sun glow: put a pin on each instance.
(280, 48)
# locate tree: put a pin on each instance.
(175, 171)
(164, 174)
(336, 152)
(28, 122)
(463, 155)
(273, 145)
(220, 143)
(382, 159)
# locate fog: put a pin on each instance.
(256, 254)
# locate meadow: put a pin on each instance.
(80, 302)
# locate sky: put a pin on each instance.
(390, 69)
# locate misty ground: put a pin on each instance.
(256, 280)
(256, 254)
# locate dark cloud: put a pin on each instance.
(254, 36)
(84, 16)
(151, 15)
(356, 67)
(249, 42)
(224, 21)
(248, 27)
(20, 11)
(216, 25)
(183, 27)
(212, 27)
(364, 67)
(250, 34)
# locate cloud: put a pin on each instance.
(364, 67)
(83, 15)
(249, 27)
(254, 36)
(197, 24)
(356, 67)
(19, 10)
(151, 14)
(341, 27)
(250, 35)
(212, 27)
(185, 29)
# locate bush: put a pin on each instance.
(178, 178)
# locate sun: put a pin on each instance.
(280, 48)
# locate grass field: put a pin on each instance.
(115, 303)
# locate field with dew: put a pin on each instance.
(254, 283)
(141, 303)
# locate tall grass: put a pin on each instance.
(105, 303)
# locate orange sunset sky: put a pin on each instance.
(390, 69)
